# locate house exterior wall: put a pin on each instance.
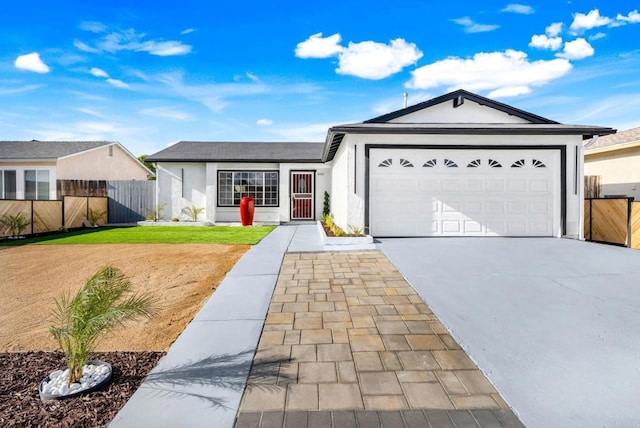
(619, 171)
(201, 189)
(99, 164)
(469, 112)
(348, 205)
(21, 167)
(340, 186)
(181, 185)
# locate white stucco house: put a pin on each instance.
(457, 165)
(29, 169)
(616, 160)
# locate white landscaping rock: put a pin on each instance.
(92, 375)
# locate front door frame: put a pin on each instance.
(312, 192)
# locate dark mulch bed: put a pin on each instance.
(21, 372)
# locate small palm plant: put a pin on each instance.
(193, 212)
(15, 223)
(156, 213)
(94, 216)
(104, 303)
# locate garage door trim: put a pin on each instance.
(563, 168)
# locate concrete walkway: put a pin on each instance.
(349, 343)
(199, 383)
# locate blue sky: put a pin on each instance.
(150, 74)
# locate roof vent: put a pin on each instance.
(458, 101)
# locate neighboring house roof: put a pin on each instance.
(537, 125)
(622, 140)
(221, 151)
(45, 150)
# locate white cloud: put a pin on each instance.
(117, 83)
(19, 90)
(367, 60)
(264, 122)
(84, 47)
(164, 48)
(130, 40)
(252, 77)
(90, 112)
(597, 36)
(518, 8)
(317, 46)
(554, 29)
(372, 60)
(187, 31)
(632, 17)
(504, 73)
(31, 62)
(511, 91)
(166, 113)
(541, 41)
(576, 49)
(93, 27)
(98, 72)
(593, 19)
(473, 27)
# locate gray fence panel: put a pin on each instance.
(130, 201)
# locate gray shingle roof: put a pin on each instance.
(45, 149)
(220, 151)
(623, 137)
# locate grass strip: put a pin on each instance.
(151, 235)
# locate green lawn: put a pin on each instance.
(153, 235)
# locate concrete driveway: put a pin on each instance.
(553, 323)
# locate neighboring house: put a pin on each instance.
(29, 169)
(457, 165)
(616, 160)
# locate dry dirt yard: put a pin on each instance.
(181, 276)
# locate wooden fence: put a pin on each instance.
(612, 221)
(49, 216)
(592, 186)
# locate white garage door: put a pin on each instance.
(424, 192)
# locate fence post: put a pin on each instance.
(629, 206)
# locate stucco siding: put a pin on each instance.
(98, 164)
(469, 112)
(181, 185)
(619, 171)
(339, 187)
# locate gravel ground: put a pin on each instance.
(22, 372)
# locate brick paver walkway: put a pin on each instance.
(346, 335)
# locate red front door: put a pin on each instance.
(302, 187)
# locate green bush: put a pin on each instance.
(326, 207)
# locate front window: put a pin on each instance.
(7, 184)
(36, 184)
(262, 186)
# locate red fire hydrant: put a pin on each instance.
(247, 207)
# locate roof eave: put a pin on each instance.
(585, 131)
(612, 148)
(150, 159)
(22, 160)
